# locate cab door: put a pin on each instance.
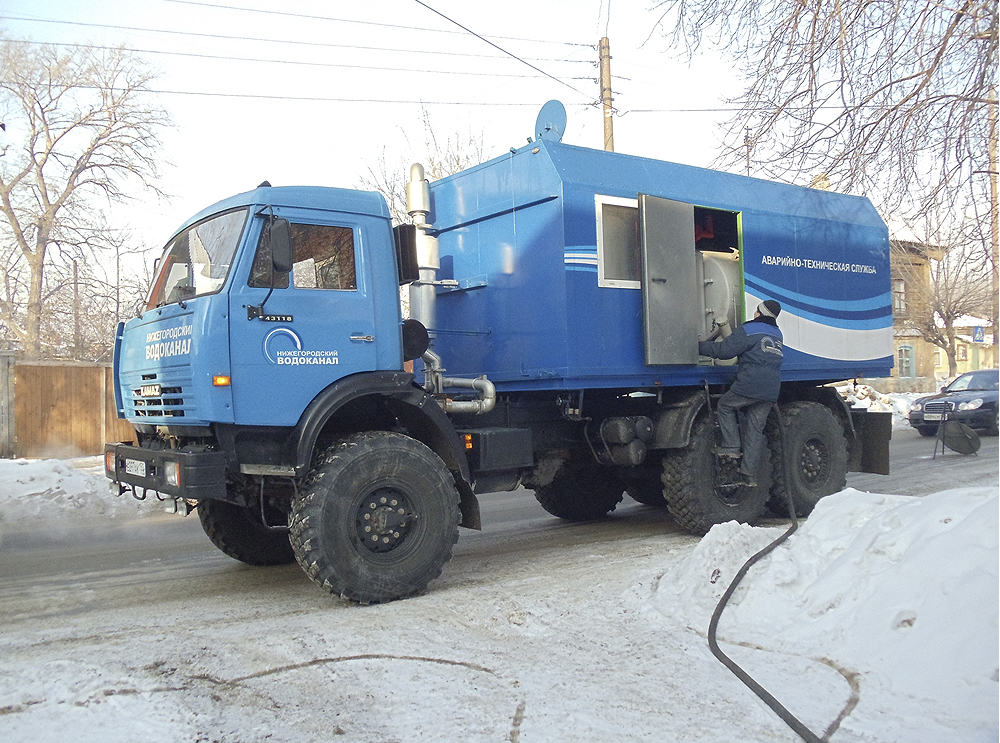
(316, 326)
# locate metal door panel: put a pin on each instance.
(671, 297)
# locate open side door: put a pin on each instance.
(672, 303)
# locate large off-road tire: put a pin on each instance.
(697, 484)
(376, 519)
(809, 459)
(645, 485)
(240, 533)
(581, 491)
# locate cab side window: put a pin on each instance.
(323, 258)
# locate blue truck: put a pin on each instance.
(278, 385)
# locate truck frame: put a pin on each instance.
(277, 388)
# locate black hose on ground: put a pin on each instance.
(791, 720)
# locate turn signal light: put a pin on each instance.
(468, 440)
(221, 381)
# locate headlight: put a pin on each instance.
(916, 406)
(971, 404)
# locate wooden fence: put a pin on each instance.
(57, 409)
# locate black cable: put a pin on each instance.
(779, 709)
(500, 48)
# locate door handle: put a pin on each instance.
(366, 338)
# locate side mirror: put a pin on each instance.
(406, 253)
(281, 246)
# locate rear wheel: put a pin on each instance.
(702, 492)
(240, 532)
(645, 484)
(376, 519)
(809, 457)
(581, 491)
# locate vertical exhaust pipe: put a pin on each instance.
(422, 291)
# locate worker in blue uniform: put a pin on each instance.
(757, 347)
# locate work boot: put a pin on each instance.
(722, 453)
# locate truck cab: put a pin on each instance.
(222, 330)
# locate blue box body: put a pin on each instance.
(519, 235)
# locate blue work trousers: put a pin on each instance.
(738, 415)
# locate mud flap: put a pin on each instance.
(869, 452)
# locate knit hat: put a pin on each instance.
(769, 308)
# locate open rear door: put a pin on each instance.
(672, 303)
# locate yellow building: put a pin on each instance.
(921, 366)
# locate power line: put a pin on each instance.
(273, 61)
(364, 23)
(322, 99)
(482, 38)
(296, 42)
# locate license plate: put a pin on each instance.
(135, 467)
(932, 416)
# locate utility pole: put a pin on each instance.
(605, 62)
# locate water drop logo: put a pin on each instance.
(276, 343)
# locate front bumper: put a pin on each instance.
(983, 417)
(178, 474)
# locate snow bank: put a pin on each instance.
(898, 592)
(55, 488)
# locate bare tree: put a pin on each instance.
(79, 129)
(440, 158)
(889, 99)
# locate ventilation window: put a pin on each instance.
(618, 261)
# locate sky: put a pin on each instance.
(316, 93)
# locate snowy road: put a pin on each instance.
(538, 630)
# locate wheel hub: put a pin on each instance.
(729, 486)
(813, 461)
(383, 520)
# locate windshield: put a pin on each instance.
(978, 381)
(197, 261)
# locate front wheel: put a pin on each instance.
(376, 519)
(927, 431)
